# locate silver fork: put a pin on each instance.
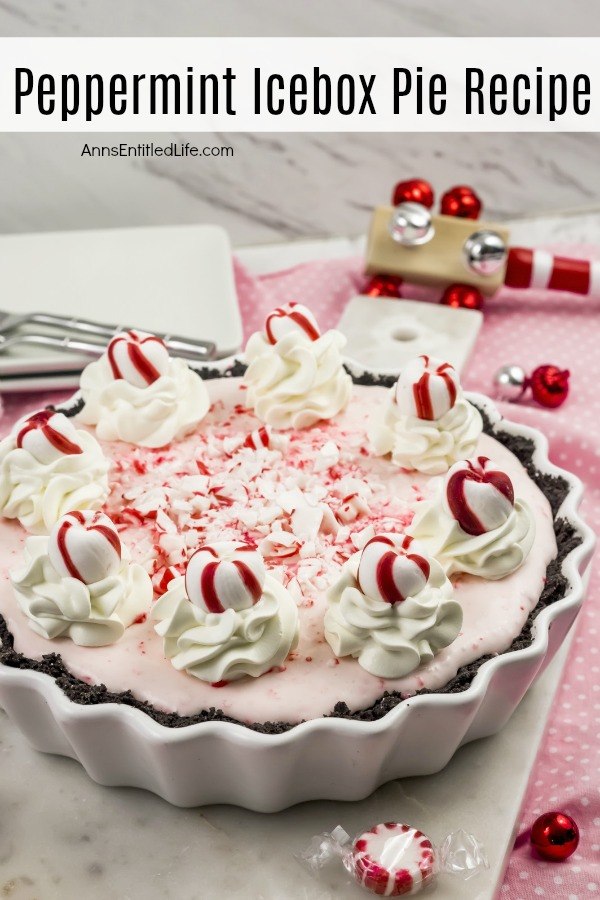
(178, 346)
(184, 349)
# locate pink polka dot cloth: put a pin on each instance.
(529, 328)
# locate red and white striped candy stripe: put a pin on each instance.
(48, 435)
(259, 438)
(137, 357)
(389, 572)
(427, 388)
(85, 545)
(479, 497)
(225, 575)
(293, 317)
(393, 859)
(541, 269)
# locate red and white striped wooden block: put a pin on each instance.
(541, 269)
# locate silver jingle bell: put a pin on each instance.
(484, 252)
(410, 224)
(510, 383)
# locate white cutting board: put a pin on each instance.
(175, 279)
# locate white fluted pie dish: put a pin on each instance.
(324, 758)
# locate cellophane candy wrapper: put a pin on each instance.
(393, 859)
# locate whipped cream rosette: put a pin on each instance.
(80, 583)
(473, 523)
(136, 393)
(227, 617)
(48, 467)
(426, 423)
(296, 375)
(392, 607)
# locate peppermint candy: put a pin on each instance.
(393, 859)
(479, 497)
(225, 575)
(390, 571)
(351, 507)
(261, 438)
(85, 545)
(137, 357)
(293, 317)
(48, 435)
(427, 388)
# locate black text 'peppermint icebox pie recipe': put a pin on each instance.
(279, 545)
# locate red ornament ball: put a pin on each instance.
(461, 201)
(383, 286)
(416, 190)
(549, 385)
(462, 296)
(554, 836)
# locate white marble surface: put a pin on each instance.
(295, 185)
(62, 837)
(285, 186)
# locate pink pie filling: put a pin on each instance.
(163, 515)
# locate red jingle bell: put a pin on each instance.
(461, 201)
(554, 836)
(383, 286)
(462, 296)
(416, 190)
(549, 385)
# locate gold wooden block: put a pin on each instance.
(438, 262)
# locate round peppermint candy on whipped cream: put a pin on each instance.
(225, 575)
(79, 582)
(227, 617)
(292, 318)
(48, 467)
(473, 523)
(295, 375)
(85, 545)
(426, 424)
(136, 393)
(427, 388)
(392, 607)
(138, 357)
(479, 497)
(389, 571)
(48, 435)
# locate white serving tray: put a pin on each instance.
(173, 278)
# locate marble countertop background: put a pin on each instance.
(282, 186)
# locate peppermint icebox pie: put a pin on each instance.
(273, 546)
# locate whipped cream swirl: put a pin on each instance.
(91, 615)
(297, 381)
(229, 645)
(424, 445)
(391, 640)
(38, 493)
(495, 553)
(150, 416)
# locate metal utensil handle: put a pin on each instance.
(180, 346)
(69, 344)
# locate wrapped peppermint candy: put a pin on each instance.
(392, 859)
